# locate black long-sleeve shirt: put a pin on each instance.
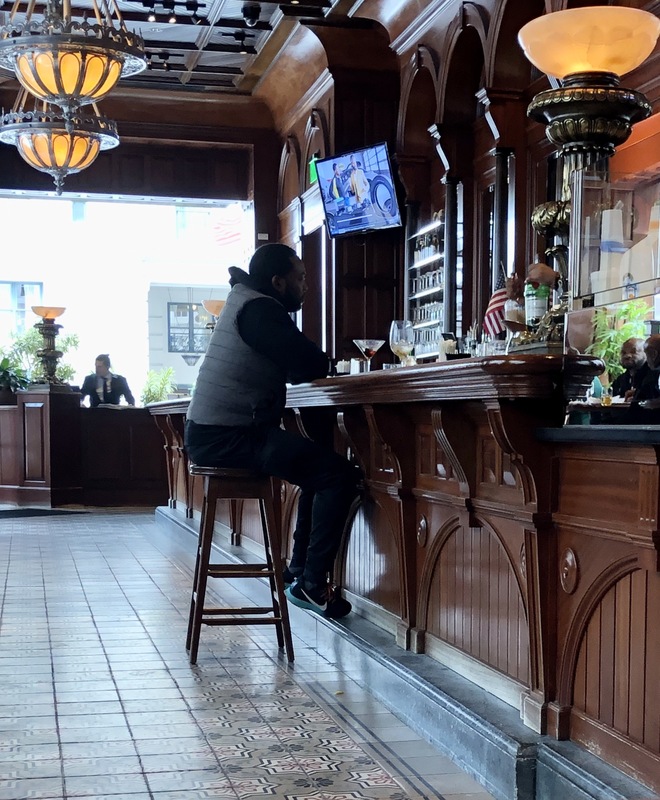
(267, 328)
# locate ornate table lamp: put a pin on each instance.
(590, 113)
(48, 355)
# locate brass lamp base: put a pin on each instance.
(589, 112)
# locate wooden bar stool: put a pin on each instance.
(235, 484)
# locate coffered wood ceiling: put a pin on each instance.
(212, 46)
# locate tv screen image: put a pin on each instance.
(357, 191)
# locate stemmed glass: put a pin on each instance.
(368, 348)
(402, 340)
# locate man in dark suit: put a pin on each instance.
(104, 387)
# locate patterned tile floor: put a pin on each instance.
(98, 699)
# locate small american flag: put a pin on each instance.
(494, 316)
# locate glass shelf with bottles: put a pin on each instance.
(427, 283)
(427, 342)
(428, 245)
(615, 237)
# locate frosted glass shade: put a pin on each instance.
(596, 39)
(49, 312)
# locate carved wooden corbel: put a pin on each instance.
(501, 436)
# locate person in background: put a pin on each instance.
(358, 183)
(336, 189)
(105, 387)
(645, 403)
(633, 360)
(235, 413)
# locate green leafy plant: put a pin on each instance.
(22, 351)
(159, 384)
(12, 377)
(612, 326)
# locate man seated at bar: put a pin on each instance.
(645, 403)
(633, 360)
(104, 386)
(234, 416)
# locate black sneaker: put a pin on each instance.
(288, 576)
(327, 602)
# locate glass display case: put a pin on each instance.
(426, 282)
(435, 277)
(615, 239)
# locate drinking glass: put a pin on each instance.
(368, 348)
(402, 340)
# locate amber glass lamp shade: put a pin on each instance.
(58, 150)
(48, 312)
(609, 39)
(214, 307)
(68, 77)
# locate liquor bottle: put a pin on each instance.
(537, 299)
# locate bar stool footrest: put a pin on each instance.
(239, 571)
(243, 621)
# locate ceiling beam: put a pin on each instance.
(157, 44)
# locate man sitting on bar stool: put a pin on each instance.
(234, 416)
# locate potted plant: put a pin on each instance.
(12, 378)
(158, 386)
(612, 327)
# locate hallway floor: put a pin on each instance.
(99, 701)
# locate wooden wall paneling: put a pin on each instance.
(9, 451)
(608, 582)
(36, 441)
(121, 458)
(66, 474)
(377, 569)
(313, 310)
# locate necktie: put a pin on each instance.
(106, 391)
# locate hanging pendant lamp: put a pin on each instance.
(66, 62)
(54, 144)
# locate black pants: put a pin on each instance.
(328, 482)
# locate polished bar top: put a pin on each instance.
(487, 378)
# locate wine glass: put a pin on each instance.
(402, 340)
(368, 348)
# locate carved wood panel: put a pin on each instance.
(470, 597)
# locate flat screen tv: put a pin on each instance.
(357, 191)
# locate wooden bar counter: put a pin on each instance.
(524, 564)
(55, 453)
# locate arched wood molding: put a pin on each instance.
(441, 437)
(508, 18)
(585, 610)
(317, 126)
(340, 560)
(290, 159)
(300, 425)
(451, 527)
(423, 59)
(358, 43)
(349, 444)
(524, 474)
(468, 17)
(384, 467)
